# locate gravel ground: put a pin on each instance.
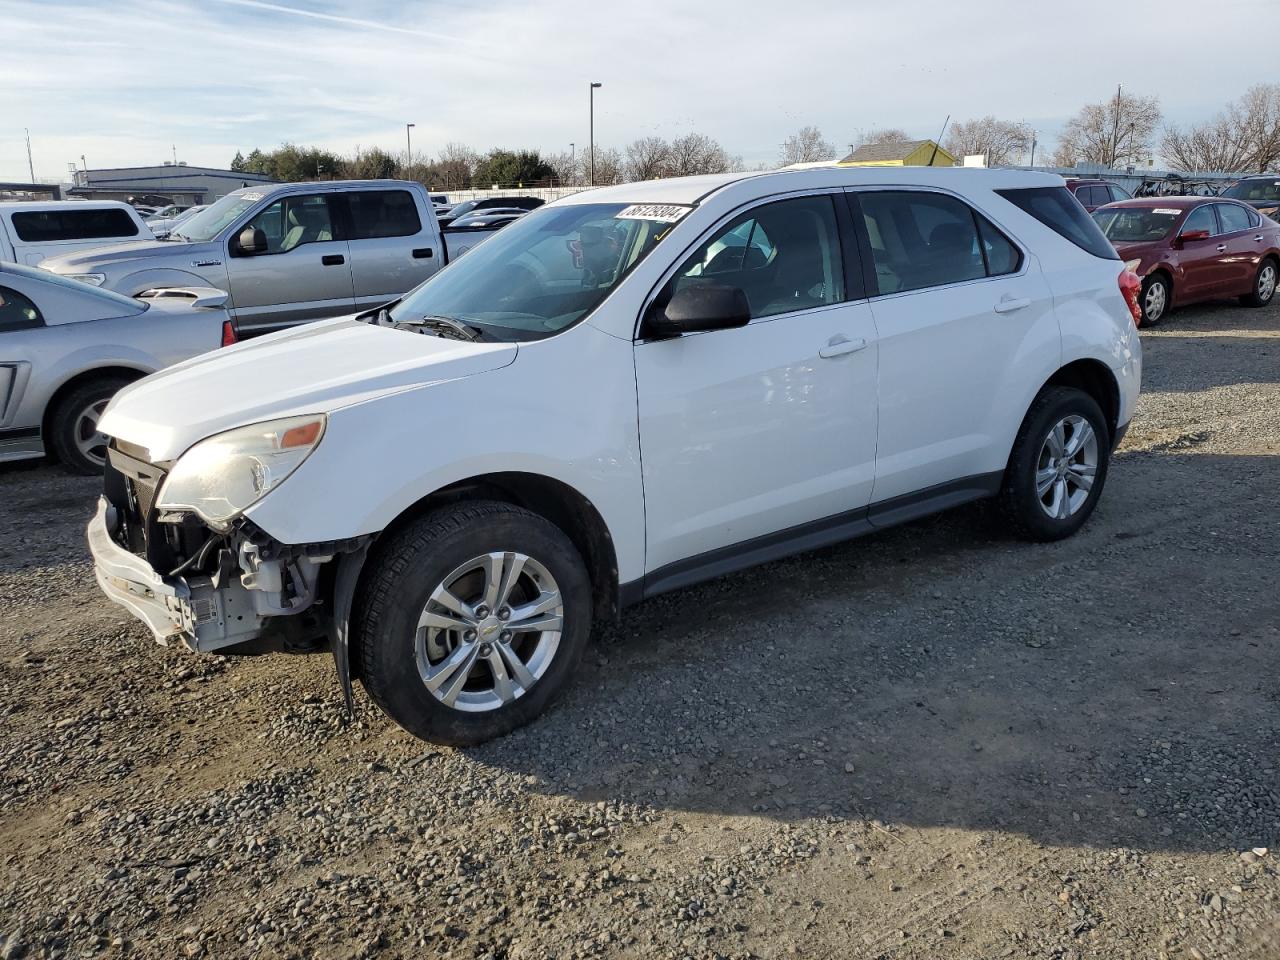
(931, 743)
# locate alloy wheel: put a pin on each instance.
(1066, 467)
(1266, 281)
(489, 631)
(89, 441)
(1154, 302)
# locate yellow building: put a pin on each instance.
(912, 153)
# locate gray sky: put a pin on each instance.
(122, 81)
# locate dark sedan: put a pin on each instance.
(1189, 249)
(1261, 193)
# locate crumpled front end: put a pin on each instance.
(184, 580)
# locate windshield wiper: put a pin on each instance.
(446, 327)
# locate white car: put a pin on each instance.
(625, 392)
(31, 231)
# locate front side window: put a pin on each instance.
(1201, 218)
(1119, 193)
(921, 240)
(542, 273)
(44, 226)
(291, 222)
(1234, 218)
(784, 256)
(382, 213)
(17, 312)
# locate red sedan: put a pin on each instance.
(1188, 249)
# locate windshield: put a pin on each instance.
(1255, 191)
(466, 206)
(1137, 224)
(215, 218)
(542, 273)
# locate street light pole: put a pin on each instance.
(31, 167)
(408, 148)
(592, 106)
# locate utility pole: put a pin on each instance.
(408, 148)
(1033, 150)
(31, 167)
(175, 153)
(1115, 128)
(592, 108)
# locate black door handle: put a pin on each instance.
(333, 259)
(422, 253)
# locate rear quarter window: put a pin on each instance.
(45, 226)
(1059, 211)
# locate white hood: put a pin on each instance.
(312, 369)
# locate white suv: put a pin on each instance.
(627, 391)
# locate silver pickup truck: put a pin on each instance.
(288, 253)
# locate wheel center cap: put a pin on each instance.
(489, 626)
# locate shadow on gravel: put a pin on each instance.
(1117, 688)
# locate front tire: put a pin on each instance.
(73, 426)
(1058, 466)
(1154, 299)
(1264, 285)
(471, 620)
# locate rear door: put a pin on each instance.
(393, 247)
(305, 273)
(967, 332)
(1243, 248)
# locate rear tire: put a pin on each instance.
(1058, 466)
(1154, 299)
(1264, 284)
(73, 434)
(471, 620)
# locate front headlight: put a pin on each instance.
(94, 279)
(221, 477)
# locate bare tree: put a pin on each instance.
(1244, 137)
(609, 166)
(696, 153)
(567, 167)
(455, 164)
(806, 146)
(1001, 141)
(648, 158)
(1118, 131)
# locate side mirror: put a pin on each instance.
(703, 306)
(1191, 236)
(250, 241)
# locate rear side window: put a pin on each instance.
(382, 213)
(44, 226)
(1233, 218)
(1057, 210)
(17, 312)
(920, 239)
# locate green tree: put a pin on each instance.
(507, 168)
(372, 164)
(237, 162)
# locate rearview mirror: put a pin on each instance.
(1193, 235)
(703, 306)
(250, 241)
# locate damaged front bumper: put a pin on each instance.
(206, 612)
(162, 603)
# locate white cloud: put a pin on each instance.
(121, 82)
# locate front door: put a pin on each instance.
(1203, 272)
(305, 273)
(756, 430)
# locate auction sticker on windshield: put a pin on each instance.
(662, 212)
(1171, 211)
